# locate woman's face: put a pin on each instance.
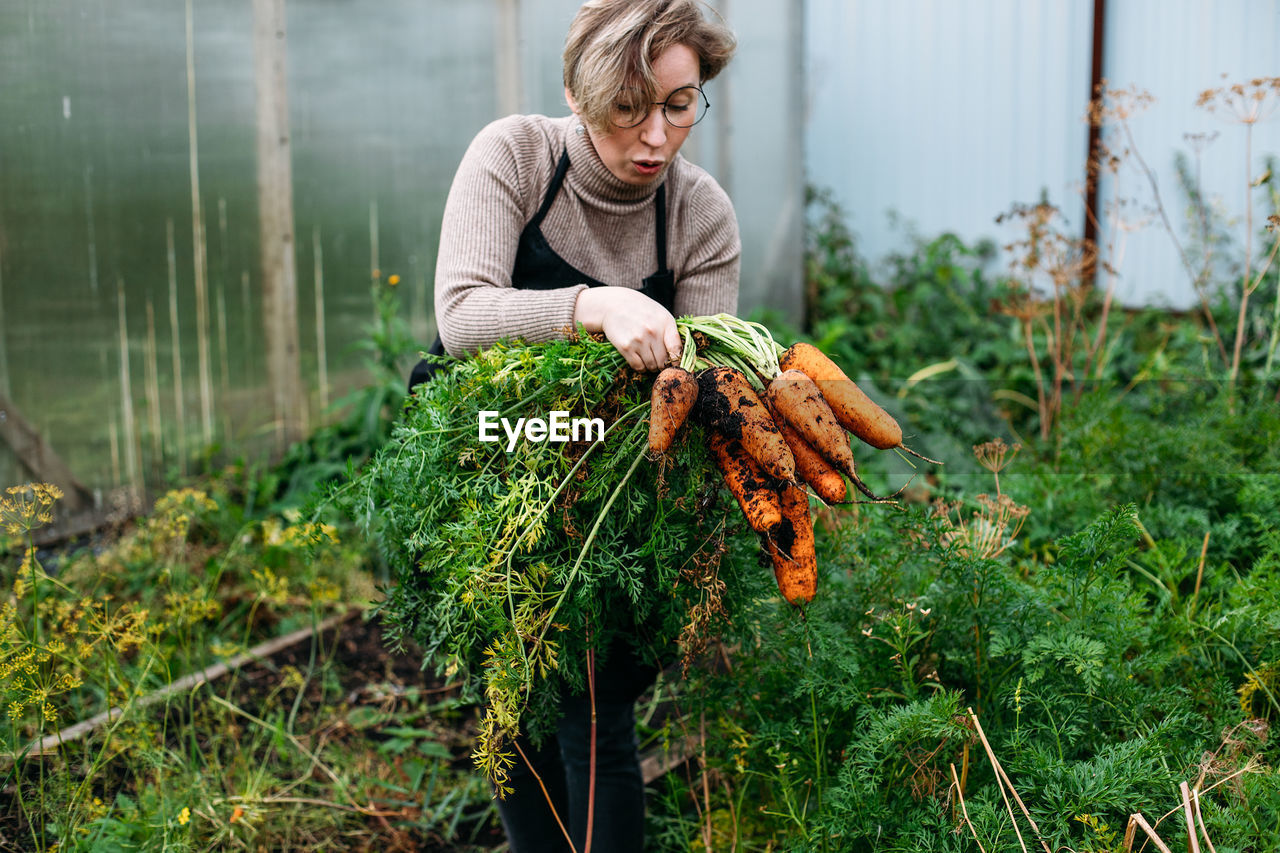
(640, 154)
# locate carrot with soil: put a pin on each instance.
(826, 482)
(792, 549)
(855, 411)
(674, 393)
(731, 406)
(747, 482)
(795, 399)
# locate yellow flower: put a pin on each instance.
(184, 816)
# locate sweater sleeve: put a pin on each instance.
(494, 193)
(707, 282)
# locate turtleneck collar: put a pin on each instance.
(589, 176)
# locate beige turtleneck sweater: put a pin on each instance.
(598, 224)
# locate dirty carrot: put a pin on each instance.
(794, 397)
(747, 482)
(797, 403)
(821, 475)
(731, 406)
(857, 412)
(674, 393)
(792, 549)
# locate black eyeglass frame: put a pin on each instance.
(706, 105)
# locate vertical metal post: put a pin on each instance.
(4, 348)
(129, 421)
(198, 244)
(275, 216)
(1096, 74)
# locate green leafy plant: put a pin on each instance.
(516, 564)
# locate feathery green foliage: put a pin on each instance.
(514, 567)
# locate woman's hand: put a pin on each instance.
(641, 329)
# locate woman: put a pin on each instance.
(594, 220)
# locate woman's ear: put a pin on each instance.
(569, 99)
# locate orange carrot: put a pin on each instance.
(792, 549)
(747, 482)
(854, 409)
(798, 404)
(674, 393)
(732, 407)
(812, 468)
(795, 397)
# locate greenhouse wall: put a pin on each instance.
(932, 115)
(919, 116)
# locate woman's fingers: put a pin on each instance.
(644, 351)
(641, 329)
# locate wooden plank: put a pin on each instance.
(663, 758)
(38, 457)
(50, 743)
(276, 223)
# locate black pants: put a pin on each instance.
(563, 763)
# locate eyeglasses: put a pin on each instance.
(684, 107)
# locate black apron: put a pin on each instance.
(538, 267)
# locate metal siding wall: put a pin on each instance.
(766, 152)
(1175, 49)
(946, 112)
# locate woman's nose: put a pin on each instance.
(653, 130)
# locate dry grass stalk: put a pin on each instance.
(1193, 845)
(152, 380)
(224, 362)
(545, 793)
(1195, 798)
(4, 350)
(322, 356)
(198, 245)
(1003, 781)
(1138, 821)
(965, 810)
(1204, 550)
(132, 454)
(113, 438)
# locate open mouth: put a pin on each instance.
(648, 167)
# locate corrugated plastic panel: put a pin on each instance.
(1175, 49)
(946, 113)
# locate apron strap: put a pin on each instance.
(661, 229)
(562, 169)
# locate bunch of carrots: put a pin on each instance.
(777, 420)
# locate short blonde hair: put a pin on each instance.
(612, 45)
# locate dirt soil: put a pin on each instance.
(383, 691)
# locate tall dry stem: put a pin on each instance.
(1052, 277)
(1246, 104)
(1113, 108)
